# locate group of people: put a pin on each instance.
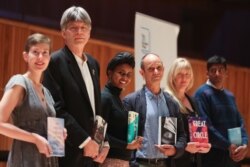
(66, 84)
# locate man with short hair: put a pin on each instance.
(73, 80)
(218, 106)
(151, 102)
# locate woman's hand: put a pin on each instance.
(204, 147)
(135, 144)
(194, 147)
(42, 144)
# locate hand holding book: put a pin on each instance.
(166, 149)
(135, 144)
(56, 136)
(198, 135)
(194, 147)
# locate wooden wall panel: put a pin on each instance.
(13, 34)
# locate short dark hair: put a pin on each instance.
(121, 58)
(146, 55)
(216, 60)
(34, 39)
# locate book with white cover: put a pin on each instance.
(55, 136)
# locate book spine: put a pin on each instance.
(159, 129)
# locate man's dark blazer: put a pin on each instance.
(64, 80)
(137, 102)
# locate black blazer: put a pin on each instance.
(64, 80)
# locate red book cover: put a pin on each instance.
(198, 130)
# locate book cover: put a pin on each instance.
(133, 119)
(234, 136)
(198, 131)
(100, 128)
(55, 136)
(167, 130)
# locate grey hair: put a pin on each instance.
(75, 13)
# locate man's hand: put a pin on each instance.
(238, 153)
(166, 149)
(91, 149)
(102, 156)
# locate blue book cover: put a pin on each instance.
(133, 119)
(55, 136)
(234, 136)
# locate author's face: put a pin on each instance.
(121, 76)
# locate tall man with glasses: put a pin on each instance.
(151, 102)
(73, 80)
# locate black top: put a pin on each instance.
(188, 159)
(117, 117)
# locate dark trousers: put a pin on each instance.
(80, 161)
(218, 158)
(145, 163)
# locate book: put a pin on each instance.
(234, 136)
(167, 130)
(198, 131)
(133, 119)
(55, 136)
(99, 132)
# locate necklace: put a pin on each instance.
(39, 90)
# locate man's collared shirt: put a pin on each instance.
(83, 66)
(87, 79)
(210, 84)
(156, 106)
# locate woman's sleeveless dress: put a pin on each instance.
(30, 116)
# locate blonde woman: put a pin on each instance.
(180, 79)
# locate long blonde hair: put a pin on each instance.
(178, 65)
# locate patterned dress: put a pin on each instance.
(32, 117)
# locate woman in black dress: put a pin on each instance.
(180, 80)
(119, 72)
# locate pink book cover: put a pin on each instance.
(198, 130)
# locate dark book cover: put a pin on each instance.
(198, 130)
(100, 128)
(167, 130)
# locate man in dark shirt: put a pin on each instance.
(218, 106)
